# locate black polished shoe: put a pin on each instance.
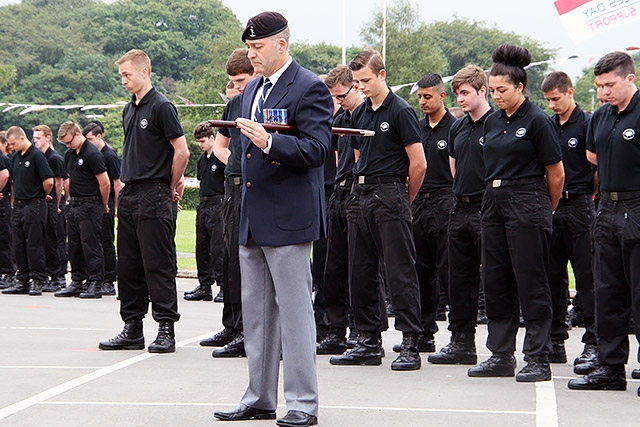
(426, 344)
(200, 293)
(498, 365)
(558, 354)
(243, 412)
(368, 351)
(165, 341)
(589, 354)
(131, 338)
(234, 349)
(334, 342)
(461, 350)
(20, 288)
(586, 367)
(297, 418)
(94, 290)
(219, 296)
(74, 289)
(220, 339)
(635, 374)
(536, 369)
(577, 319)
(50, 286)
(6, 281)
(605, 377)
(108, 289)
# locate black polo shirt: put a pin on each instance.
(56, 163)
(341, 144)
(572, 134)
(149, 126)
(615, 138)
(5, 163)
(211, 172)
(465, 146)
(29, 171)
(396, 126)
(436, 149)
(519, 146)
(112, 163)
(83, 168)
(231, 112)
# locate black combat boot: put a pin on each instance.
(108, 289)
(334, 342)
(426, 344)
(131, 338)
(74, 289)
(558, 352)
(604, 377)
(536, 369)
(498, 365)
(461, 350)
(36, 287)
(368, 351)
(165, 341)
(199, 293)
(94, 290)
(22, 287)
(409, 358)
(233, 349)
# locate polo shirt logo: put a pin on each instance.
(629, 134)
(144, 123)
(27, 164)
(572, 143)
(80, 162)
(481, 141)
(214, 168)
(521, 132)
(384, 126)
(442, 144)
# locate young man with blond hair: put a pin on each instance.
(154, 157)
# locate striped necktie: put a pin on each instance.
(259, 116)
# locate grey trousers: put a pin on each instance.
(278, 315)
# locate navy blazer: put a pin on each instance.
(283, 192)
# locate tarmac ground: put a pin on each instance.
(52, 374)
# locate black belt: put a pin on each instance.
(470, 199)
(378, 179)
(345, 183)
(620, 195)
(233, 180)
(436, 193)
(567, 195)
(520, 181)
(211, 198)
(84, 199)
(27, 201)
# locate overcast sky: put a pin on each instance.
(322, 21)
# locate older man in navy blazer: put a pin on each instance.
(282, 213)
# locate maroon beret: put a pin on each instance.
(265, 24)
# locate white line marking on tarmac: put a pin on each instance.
(322, 407)
(50, 367)
(546, 404)
(69, 385)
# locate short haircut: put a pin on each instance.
(93, 128)
(203, 130)
(509, 60)
(138, 58)
(46, 130)
(239, 63)
(431, 80)
(284, 34)
(339, 75)
(367, 57)
(3, 136)
(15, 132)
(98, 123)
(557, 80)
(620, 63)
(472, 75)
(68, 128)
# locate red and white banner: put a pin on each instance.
(583, 19)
